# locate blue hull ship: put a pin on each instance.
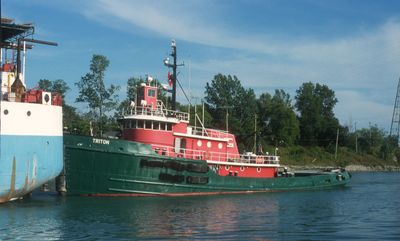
(31, 139)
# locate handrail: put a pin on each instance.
(159, 111)
(215, 156)
(209, 132)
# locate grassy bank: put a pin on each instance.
(318, 156)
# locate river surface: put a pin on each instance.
(367, 209)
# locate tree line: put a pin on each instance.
(274, 119)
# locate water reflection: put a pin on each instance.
(156, 217)
(27, 220)
(211, 215)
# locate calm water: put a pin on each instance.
(368, 209)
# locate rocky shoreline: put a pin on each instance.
(362, 168)
(350, 168)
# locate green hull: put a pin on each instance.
(117, 167)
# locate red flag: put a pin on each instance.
(169, 79)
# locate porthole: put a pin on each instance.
(219, 145)
(258, 169)
(6, 112)
(242, 168)
(227, 168)
(47, 98)
(199, 143)
(209, 144)
(28, 113)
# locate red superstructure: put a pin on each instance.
(168, 131)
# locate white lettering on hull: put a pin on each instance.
(101, 141)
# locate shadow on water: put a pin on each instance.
(368, 209)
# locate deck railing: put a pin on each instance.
(215, 156)
(200, 131)
(159, 111)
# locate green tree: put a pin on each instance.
(318, 124)
(225, 95)
(244, 116)
(73, 122)
(131, 91)
(371, 140)
(92, 91)
(197, 109)
(388, 148)
(278, 120)
(221, 96)
(58, 86)
(45, 84)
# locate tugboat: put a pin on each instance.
(31, 140)
(161, 154)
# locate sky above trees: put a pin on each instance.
(351, 46)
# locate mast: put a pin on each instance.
(173, 54)
(174, 66)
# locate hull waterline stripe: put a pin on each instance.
(175, 185)
(136, 193)
(229, 190)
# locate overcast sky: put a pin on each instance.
(351, 46)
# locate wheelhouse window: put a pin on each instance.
(140, 124)
(151, 92)
(156, 125)
(162, 126)
(143, 124)
(129, 124)
(169, 127)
